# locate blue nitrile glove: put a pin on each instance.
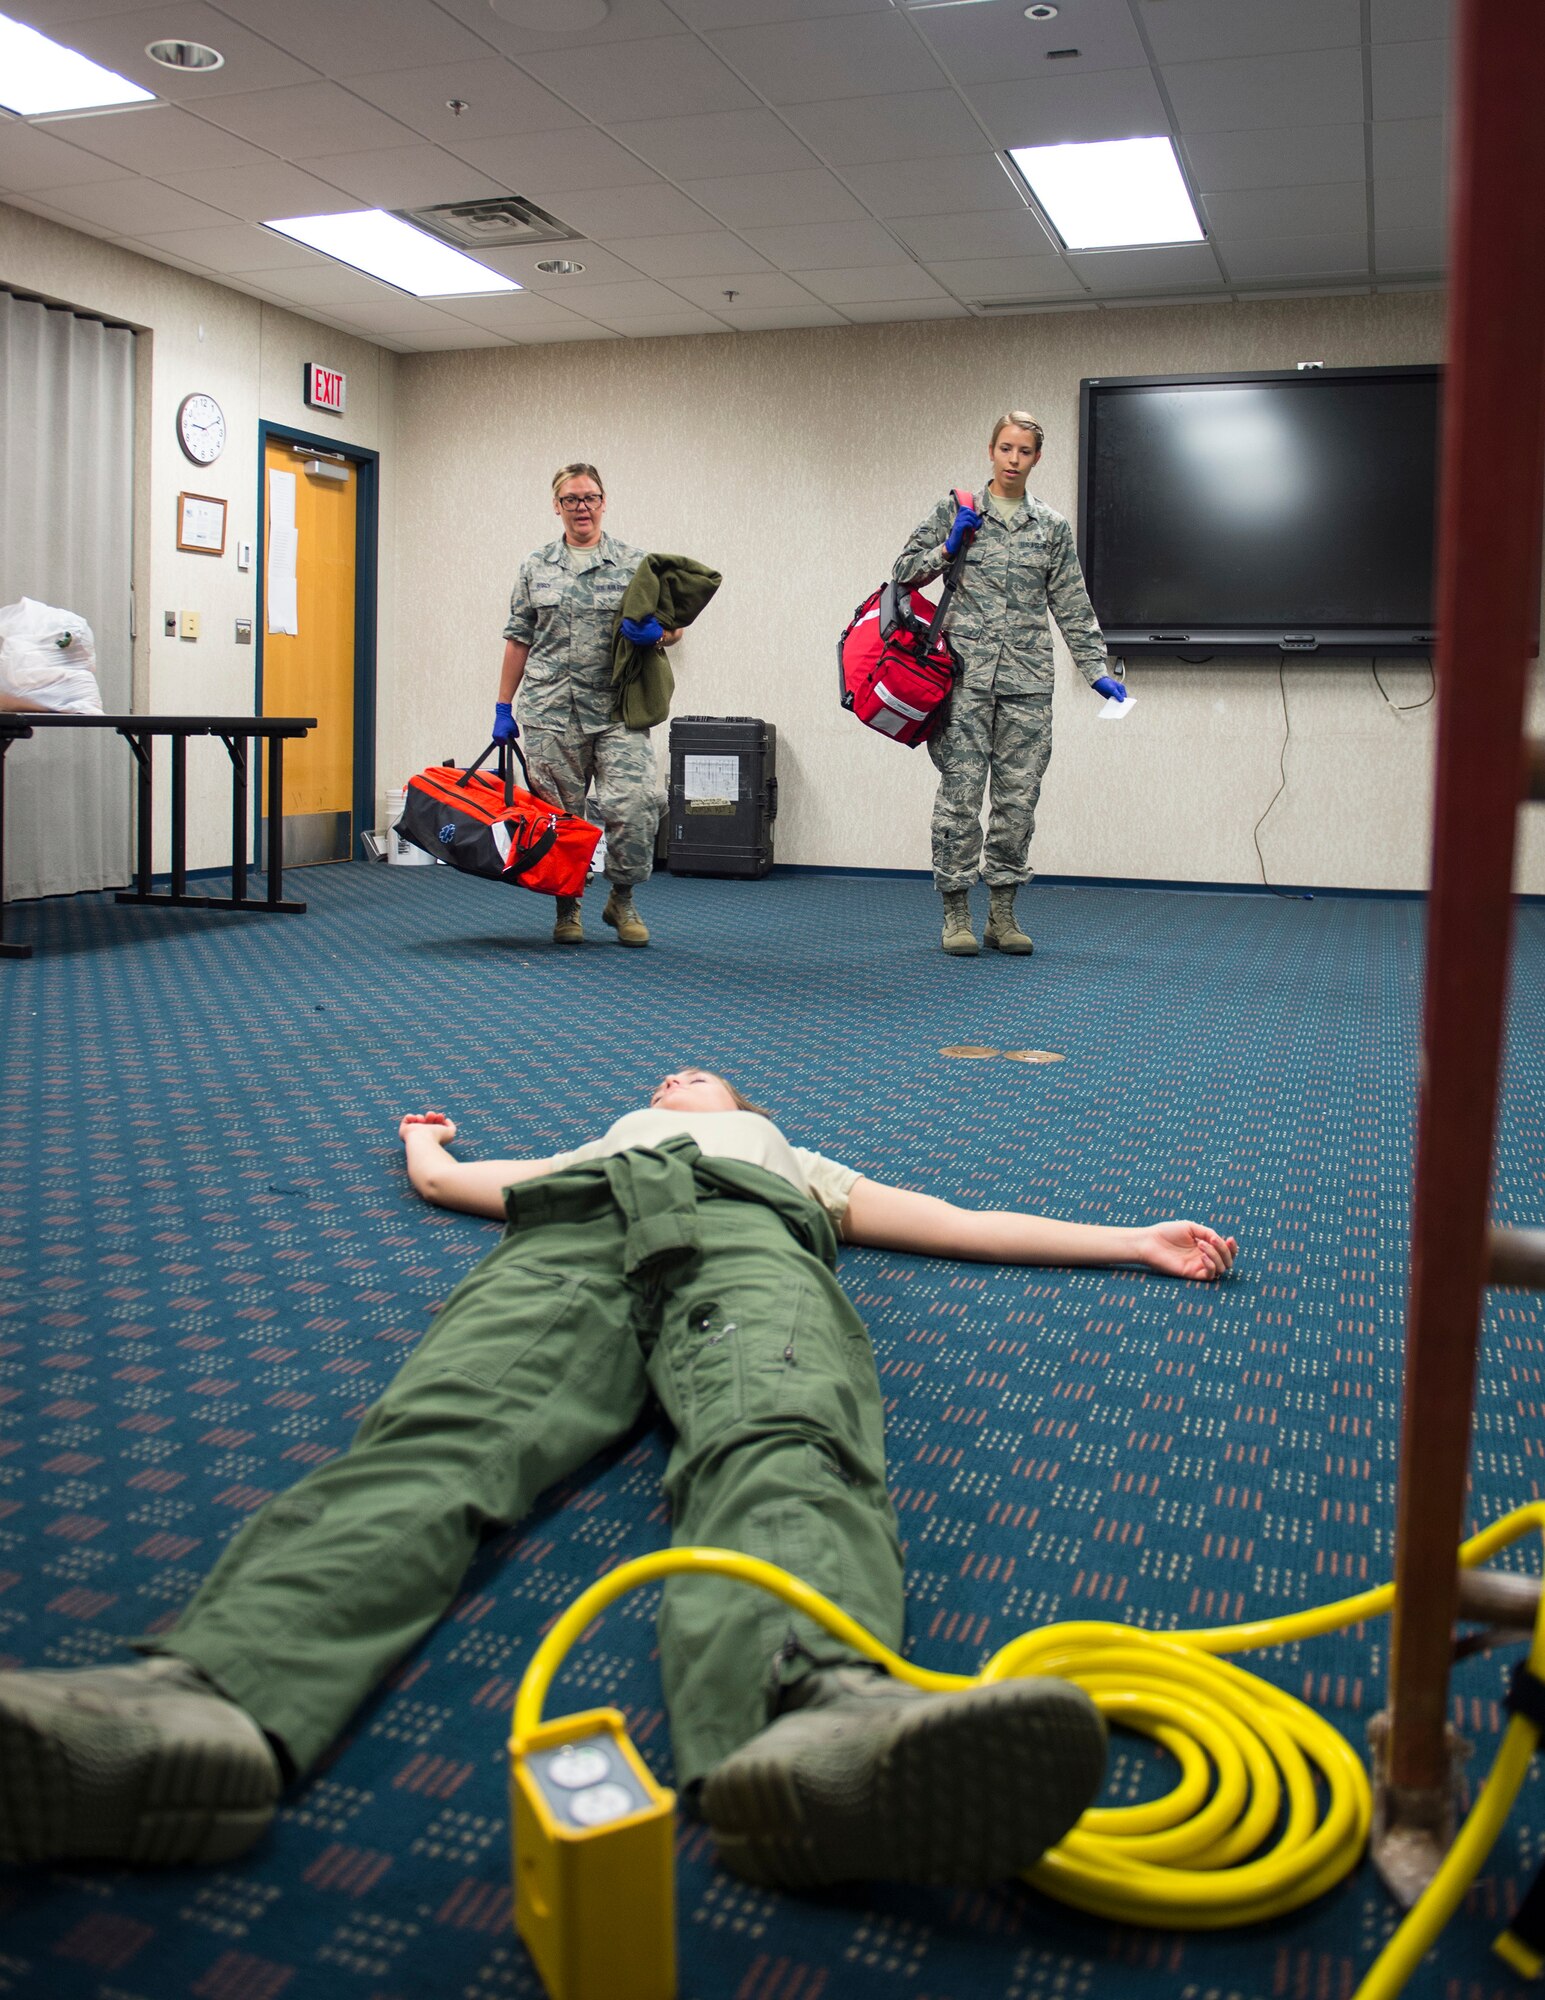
(506, 728)
(966, 522)
(1112, 690)
(643, 631)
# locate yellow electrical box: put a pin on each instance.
(594, 1861)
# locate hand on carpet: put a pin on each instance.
(1188, 1250)
(440, 1128)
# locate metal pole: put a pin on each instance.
(1488, 568)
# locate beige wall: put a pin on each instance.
(248, 355)
(797, 463)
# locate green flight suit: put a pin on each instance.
(705, 1282)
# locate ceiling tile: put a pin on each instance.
(35, 205)
(932, 237)
(808, 194)
(238, 246)
(1342, 254)
(1399, 248)
(514, 314)
(1111, 271)
(777, 319)
(560, 161)
(825, 246)
(878, 281)
(657, 326)
(332, 285)
(1410, 146)
(1103, 104)
(632, 298)
(263, 194)
(356, 37)
(51, 15)
(31, 157)
(131, 207)
(1410, 79)
(498, 97)
(582, 329)
(399, 315)
(697, 256)
(672, 76)
(1290, 211)
(754, 291)
(850, 55)
(1193, 30)
(251, 62)
(870, 311)
(655, 210)
(722, 142)
(995, 42)
(976, 183)
(311, 118)
(450, 338)
(626, 21)
(864, 131)
(1282, 157)
(1267, 91)
(1008, 278)
(159, 139)
(601, 267)
(1412, 20)
(404, 176)
(712, 14)
(1414, 203)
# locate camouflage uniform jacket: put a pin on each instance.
(564, 607)
(1015, 573)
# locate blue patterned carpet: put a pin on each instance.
(212, 1262)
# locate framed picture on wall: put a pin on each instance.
(201, 524)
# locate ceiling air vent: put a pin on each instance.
(491, 224)
(1012, 305)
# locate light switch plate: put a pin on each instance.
(188, 624)
(171, 624)
(244, 555)
(244, 631)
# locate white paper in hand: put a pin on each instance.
(1113, 710)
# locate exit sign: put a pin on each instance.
(324, 388)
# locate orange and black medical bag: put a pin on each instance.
(483, 823)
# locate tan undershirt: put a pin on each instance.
(727, 1135)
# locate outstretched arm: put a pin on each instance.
(889, 1218)
(476, 1187)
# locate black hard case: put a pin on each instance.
(724, 835)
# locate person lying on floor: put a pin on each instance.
(688, 1256)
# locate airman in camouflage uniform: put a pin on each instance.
(1016, 571)
(563, 613)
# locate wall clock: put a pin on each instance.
(201, 428)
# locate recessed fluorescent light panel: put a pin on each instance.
(395, 252)
(40, 77)
(1112, 194)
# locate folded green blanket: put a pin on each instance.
(673, 589)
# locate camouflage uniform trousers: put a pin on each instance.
(1005, 738)
(620, 762)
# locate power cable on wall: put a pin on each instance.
(1403, 707)
(1288, 895)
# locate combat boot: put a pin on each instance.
(1003, 932)
(568, 929)
(623, 918)
(959, 940)
(146, 1763)
(864, 1778)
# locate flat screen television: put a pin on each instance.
(1290, 510)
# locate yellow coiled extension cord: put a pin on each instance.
(1189, 1860)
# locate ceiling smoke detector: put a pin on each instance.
(1042, 12)
(495, 223)
(184, 55)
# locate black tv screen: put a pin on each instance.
(1291, 510)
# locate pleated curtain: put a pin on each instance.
(66, 515)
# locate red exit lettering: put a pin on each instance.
(324, 387)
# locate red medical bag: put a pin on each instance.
(895, 669)
(486, 825)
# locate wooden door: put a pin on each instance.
(308, 643)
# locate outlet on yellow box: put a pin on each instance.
(188, 624)
(594, 1840)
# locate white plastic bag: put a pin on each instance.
(48, 658)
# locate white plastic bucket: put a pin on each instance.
(402, 852)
